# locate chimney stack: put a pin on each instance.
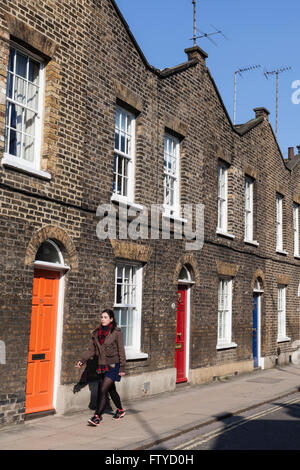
(290, 153)
(196, 52)
(262, 112)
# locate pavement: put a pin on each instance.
(152, 420)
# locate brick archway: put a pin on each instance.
(258, 273)
(190, 262)
(58, 235)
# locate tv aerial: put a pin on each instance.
(202, 33)
(239, 72)
(276, 72)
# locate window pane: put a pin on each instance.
(29, 122)
(122, 143)
(117, 313)
(47, 252)
(9, 85)
(117, 138)
(34, 69)
(124, 317)
(118, 114)
(15, 117)
(128, 145)
(124, 332)
(183, 275)
(123, 121)
(15, 143)
(130, 327)
(119, 184)
(11, 60)
(29, 148)
(33, 95)
(21, 65)
(20, 90)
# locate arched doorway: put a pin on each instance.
(182, 344)
(43, 366)
(256, 329)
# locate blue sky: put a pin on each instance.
(264, 32)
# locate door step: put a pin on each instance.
(39, 414)
(182, 384)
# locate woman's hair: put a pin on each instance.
(111, 315)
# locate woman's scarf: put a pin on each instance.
(103, 332)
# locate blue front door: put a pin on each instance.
(255, 330)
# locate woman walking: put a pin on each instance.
(107, 344)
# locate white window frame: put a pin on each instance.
(296, 228)
(169, 173)
(222, 197)
(13, 160)
(224, 327)
(249, 214)
(281, 313)
(130, 156)
(279, 222)
(132, 351)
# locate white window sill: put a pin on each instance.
(281, 252)
(131, 354)
(175, 218)
(224, 234)
(126, 202)
(297, 256)
(17, 164)
(283, 339)
(226, 345)
(251, 242)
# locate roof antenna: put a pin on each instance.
(204, 35)
(194, 36)
(240, 71)
(276, 72)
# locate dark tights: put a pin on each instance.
(107, 386)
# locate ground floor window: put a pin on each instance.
(127, 305)
(281, 312)
(224, 311)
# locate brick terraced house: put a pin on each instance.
(85, 120)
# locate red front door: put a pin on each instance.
(41, 357)
(180, 345)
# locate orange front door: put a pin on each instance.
(41, 356)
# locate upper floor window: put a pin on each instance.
(171, 175)
(24, 98)
(222, 196)
(279, 222)
(249, 183)
(124, 154)
(296, 228)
